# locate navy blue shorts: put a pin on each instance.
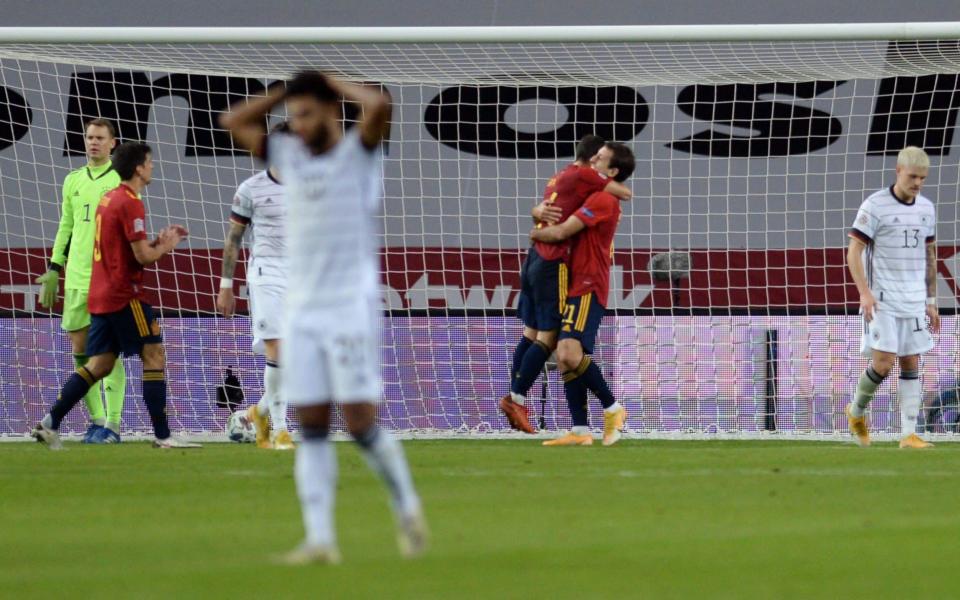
(581, 320)
(123, 332)
(543, 292)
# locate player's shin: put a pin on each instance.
(867, 386)
(155, 397)
(593, 379)
(522, 346)
(384, 454)
(909, 396)
(70, 394)
(275, 402)
(92, 398)
(114, 389)
(530, 368)
(315, 471)
(576, 392)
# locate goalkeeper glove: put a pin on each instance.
(50, 282)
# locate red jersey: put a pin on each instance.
(592, 252)
(117, 277)
(568, 189)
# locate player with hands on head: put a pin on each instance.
(331, 332)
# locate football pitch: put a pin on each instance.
(510, 519)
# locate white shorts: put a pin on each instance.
(333, 356)
(266, 313)
(903, 336)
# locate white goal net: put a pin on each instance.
(753, 155)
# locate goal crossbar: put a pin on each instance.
(518, 34)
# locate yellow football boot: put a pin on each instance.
(571, 439)
(262, 424)
(914, 441)
(282, 440)
(613, 426)
(858, 428)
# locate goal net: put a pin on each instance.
(731, 310)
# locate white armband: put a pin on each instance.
(226, 283)
(931, 301)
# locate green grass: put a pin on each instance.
(510, 519)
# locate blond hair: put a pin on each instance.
(912, 156)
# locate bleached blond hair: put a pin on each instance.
(912, 156)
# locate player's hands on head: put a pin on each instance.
(868, 305)
(50, 287)
(226, 302)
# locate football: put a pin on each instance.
(240, 429)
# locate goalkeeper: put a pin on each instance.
(73, 248)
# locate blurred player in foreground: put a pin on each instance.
(331, 333)
(73, 248)
(892, 258)
(592, 227)
(260, 204)
(121, 322)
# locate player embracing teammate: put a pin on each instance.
(592, 227)
(545, 274)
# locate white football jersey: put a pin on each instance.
(895, 260)
(332, 234)
(260, 203)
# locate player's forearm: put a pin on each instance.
(58, 256)
(619, 190)
(855, 265)
(931, 275)
(231, 250)
(374, 105)
(549, 235)
(64, 233)
(252, 110)
(153, 255)
(148, 253)
(246, 120)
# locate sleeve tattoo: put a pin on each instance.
(231, 249)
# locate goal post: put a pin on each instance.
(731, 312)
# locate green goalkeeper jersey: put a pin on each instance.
(82, 190)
